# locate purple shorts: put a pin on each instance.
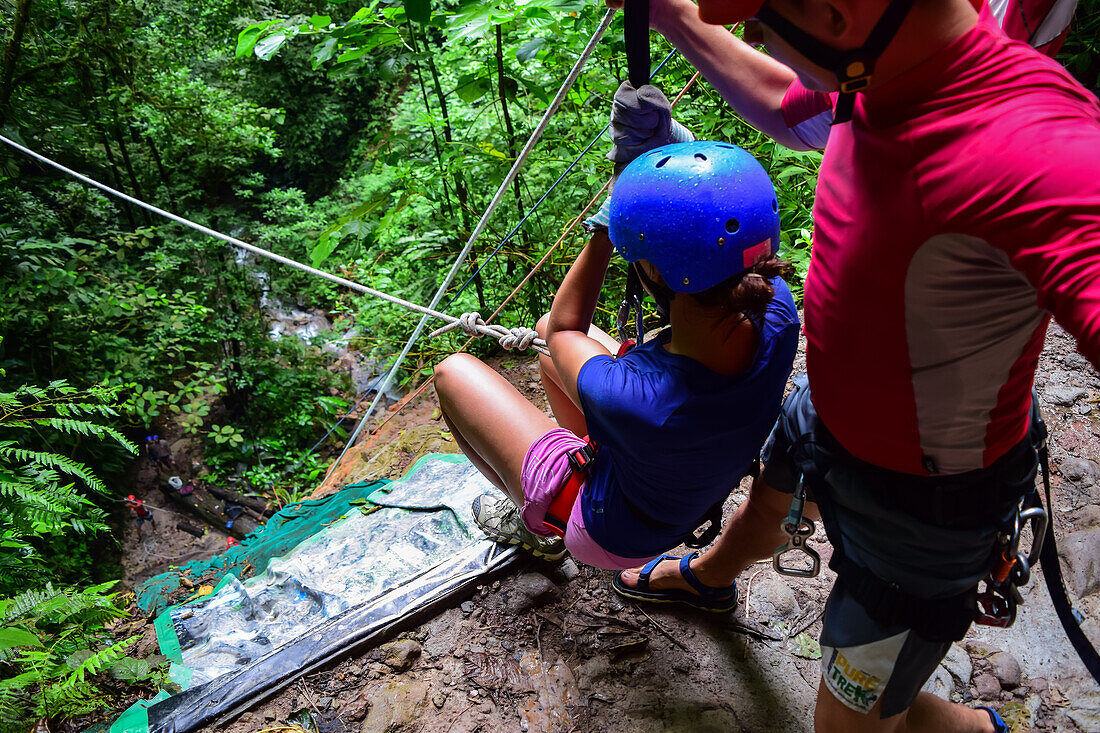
(545, 471)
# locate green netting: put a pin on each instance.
(290, 527)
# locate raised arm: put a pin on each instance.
(751, 82)
(572, 311)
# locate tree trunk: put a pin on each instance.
(11, 55)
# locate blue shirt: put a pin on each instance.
(676, 437)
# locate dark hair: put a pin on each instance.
(748, 292)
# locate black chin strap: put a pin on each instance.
(632, 302)
(853, 68)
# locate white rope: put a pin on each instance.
(474, 324)
(555, 104)
(482, 330)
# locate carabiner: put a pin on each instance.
(798, 530)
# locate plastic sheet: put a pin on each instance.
(409, 547)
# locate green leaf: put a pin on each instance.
(320, 21)
(246, 39)
(418, 11)
(471, 88)
(324, 51)
(11, 637)
(267, 47)
(527, 51)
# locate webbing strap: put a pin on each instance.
(636, 36)
(1056, 584)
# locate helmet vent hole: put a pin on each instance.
(700, 156)
(775, 206)
(732, 225)
(662, 161)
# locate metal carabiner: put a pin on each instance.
(798, 530)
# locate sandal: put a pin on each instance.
(706, 598)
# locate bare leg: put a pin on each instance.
(568, 414)
(928, 713)
(752, 534)
(489, 419)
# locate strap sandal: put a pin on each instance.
(999, 726)
(705, 598)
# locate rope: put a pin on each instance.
(535, 343)
(537, 266)
(555, 104)
(560, 178)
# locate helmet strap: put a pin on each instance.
(662, 294)
(631, 305)
(853, 68)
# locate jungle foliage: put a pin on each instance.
(364, 139)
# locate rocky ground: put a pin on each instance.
(550, 648)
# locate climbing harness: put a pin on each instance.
(942, 619)
(580, 460)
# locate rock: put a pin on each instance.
(439, 700)
(940, 684)
(569, 569)
(528, 591)
(270, 715)
(957, 662)
(1039, 684)
(395, 706)
(324, 703)
(1006, 669)
(771, 600)
(1064, 394)
(1081, 551)
(467, 607)
(1088, 516)
(399, 655)
(987, 687)
(1080, 471)
(1016, 716)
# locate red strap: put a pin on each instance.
(557, 514)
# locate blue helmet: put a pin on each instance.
(699, 211)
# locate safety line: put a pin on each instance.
(537, 266)
(499, 332)
(555, 104)
(567, 171)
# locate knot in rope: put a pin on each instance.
(512, 339)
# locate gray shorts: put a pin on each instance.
(863, 660)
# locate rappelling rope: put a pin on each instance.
(537, 266)
(508, 338)
(555, 104)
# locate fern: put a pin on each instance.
(95, 663)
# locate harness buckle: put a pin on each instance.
(581, 459)
(798, 530)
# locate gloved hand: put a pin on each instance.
(641, 120)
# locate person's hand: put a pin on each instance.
(640, 121)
